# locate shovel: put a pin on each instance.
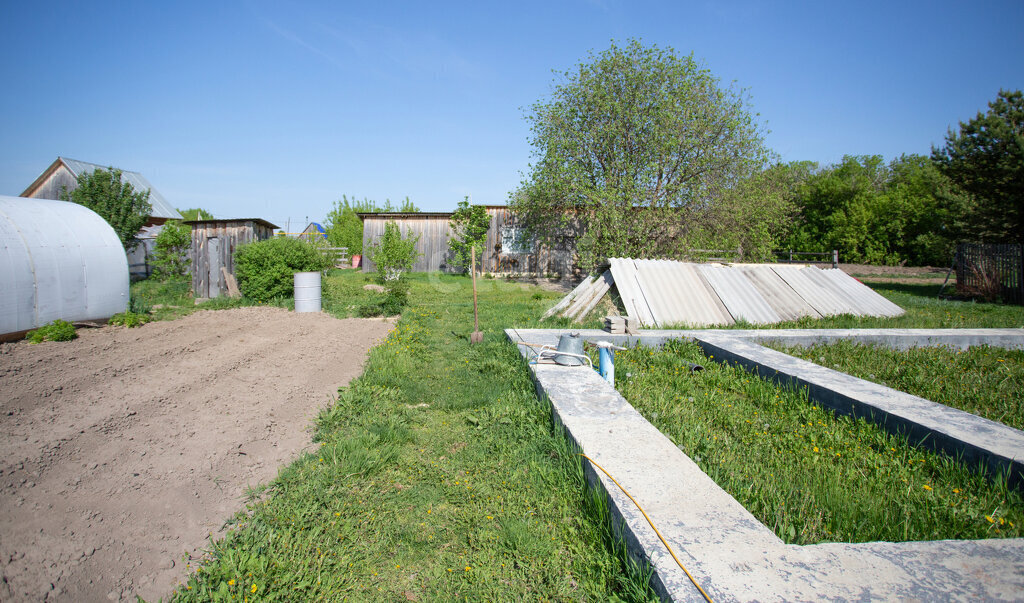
(476, 336)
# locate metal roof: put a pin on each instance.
(161, 207)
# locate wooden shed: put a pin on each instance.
(213, 246)
(506, 251)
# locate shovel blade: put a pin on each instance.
(476, 337)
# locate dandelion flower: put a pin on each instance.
(927, 487)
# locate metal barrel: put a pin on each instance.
(307, 291)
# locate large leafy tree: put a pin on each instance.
(116, 201)
(634, 146)
(754, 215)
(986, 160)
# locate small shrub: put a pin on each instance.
(266, 269)
(392, 254)
(58, 330)
(129, 319)
(369, 310)
(172, 244)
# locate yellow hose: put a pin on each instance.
(662, 538)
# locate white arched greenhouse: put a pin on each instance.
(58, 260)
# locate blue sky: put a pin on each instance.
(276, 109)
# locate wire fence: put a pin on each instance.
(788, 256)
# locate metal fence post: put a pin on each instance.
(835, 258)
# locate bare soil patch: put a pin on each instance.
(123, 451)
(898, 274)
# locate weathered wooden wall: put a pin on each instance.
(434, 232)
(230, 234)
(54, 184)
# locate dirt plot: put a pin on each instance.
(124, 450)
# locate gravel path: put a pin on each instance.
(122, 451)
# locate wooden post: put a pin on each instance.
(835, 258)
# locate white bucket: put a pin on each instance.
(307, 291)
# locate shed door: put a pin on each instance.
(213, 260)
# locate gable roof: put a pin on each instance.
(161, 207)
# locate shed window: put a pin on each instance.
(515, 240)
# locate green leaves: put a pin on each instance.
(171, 255)
(632, 142)
(469, 225)
(117, 202)
(986, 160)
(58, 330)
(873, 212)
(393, 254)
(266, 269)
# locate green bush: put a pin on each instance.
(129, 319)
(392, 254)
(265, 269)
(172, 244)
(58, 330)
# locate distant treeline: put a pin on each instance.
(913, 209)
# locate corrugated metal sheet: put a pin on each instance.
(161, 207)
(780, 296)
(861, 295)
(743, 301)
(624, 274)
(665, 293)
(828, 286)
(678, 295)
(822, 301)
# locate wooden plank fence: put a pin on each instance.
(991, 271)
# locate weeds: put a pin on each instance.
(58, 330)
(980, 380)
(806, 474)
(129, 319)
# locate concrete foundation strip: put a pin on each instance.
(727, 549)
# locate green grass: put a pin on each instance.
(981, 380)
(438, 477)
(808, 475)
